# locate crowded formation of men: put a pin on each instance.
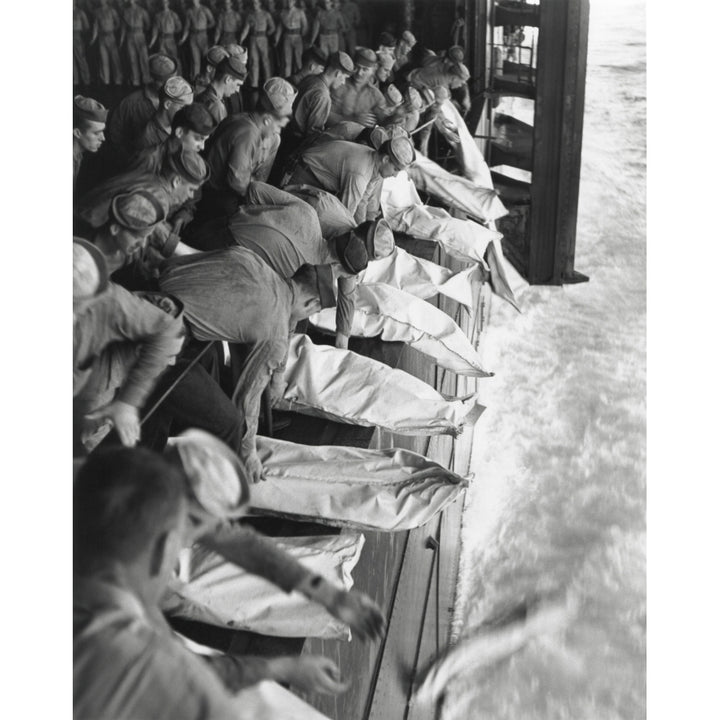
(209, 222)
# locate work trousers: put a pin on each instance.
(167, 45)
(198, 47)
(329, 42)
(292, 48)
(197, 401)
(109, 60)
(258, 54)
(81, 71)
(350, 42)
(137, 53)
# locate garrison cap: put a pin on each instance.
(365, 57)
(377, 238)
(456, 53)
(195, 117)
(387, 40)
(400, 150)
(178, 90)
(408, 37)
(277, 96)
(216, 476)
(232, 66)
(341, 61)
(138, 210)
(85, 108)
(393, 95)
(413, 97)
(161, 67)
(351, 250)
(237, 51)
(461, 71)
(316, 55)
(374, 136)
(189, 165)
(215, 54)
(428, 95)
(90, 273)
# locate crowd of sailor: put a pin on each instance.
(210, 222)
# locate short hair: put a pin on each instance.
(122, 499)
(306, 276)
(196, 117)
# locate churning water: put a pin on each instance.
(558, 505)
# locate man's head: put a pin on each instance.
(165, 4)
(328, 4)
(371, 240)
(256, 5)
(313, 290)
(459, 75)
(230, 74)
(365, 65)
(89, 118)
(90, 273)
(397, 154)
(406, 43)
(161, 68)
(132, 218)
(174, 94)
(386, 43)
(192, 125)
(128, 518)
(276, 101)
(339, 68)
(385, 66)
(185, 171)
(314, 60)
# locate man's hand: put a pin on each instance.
(314, 673)
(341, 341)
(361, 613)
(123, 417)
(254, 467)
(367, 119)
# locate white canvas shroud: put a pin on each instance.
(387, 490)
(341, 385)
(395, 315)
(221, 593)
(267, 700)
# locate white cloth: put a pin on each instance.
(387, 490)
(269, 701)
(478, 201)
(397, 316)
(341, 385)
(220, 593)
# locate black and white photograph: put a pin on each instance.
(359, 398)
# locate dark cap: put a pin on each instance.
(392, 95)
(387, 40)
(189, 165)
(316, 55)
(216, 54)
(161, 67)
(137, 210)
(456, 53)
(232, 66)
(85, 108)
(352, 252)
(377, 238)
(341, 61)
(325, 285)
(461, 71)
(90, 272)
(365, 57)
(195, 117)
(400, 150)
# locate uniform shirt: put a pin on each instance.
(136, 18)
(351, 100)
(77, 161)
(431, 76)
(210, 99)
(240, 150)
(348, 170)
(228, 21)
(120, 317)
(106, 20)
(351, 14)
(312, 105)
(80, 21)
(329, 22)
(233, 295)
(129, 666)
(259, 22)
(198, 19)
(294, 19)
(127, 121)
(153, 134)
(167, 22)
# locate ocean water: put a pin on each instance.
(557, 508)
